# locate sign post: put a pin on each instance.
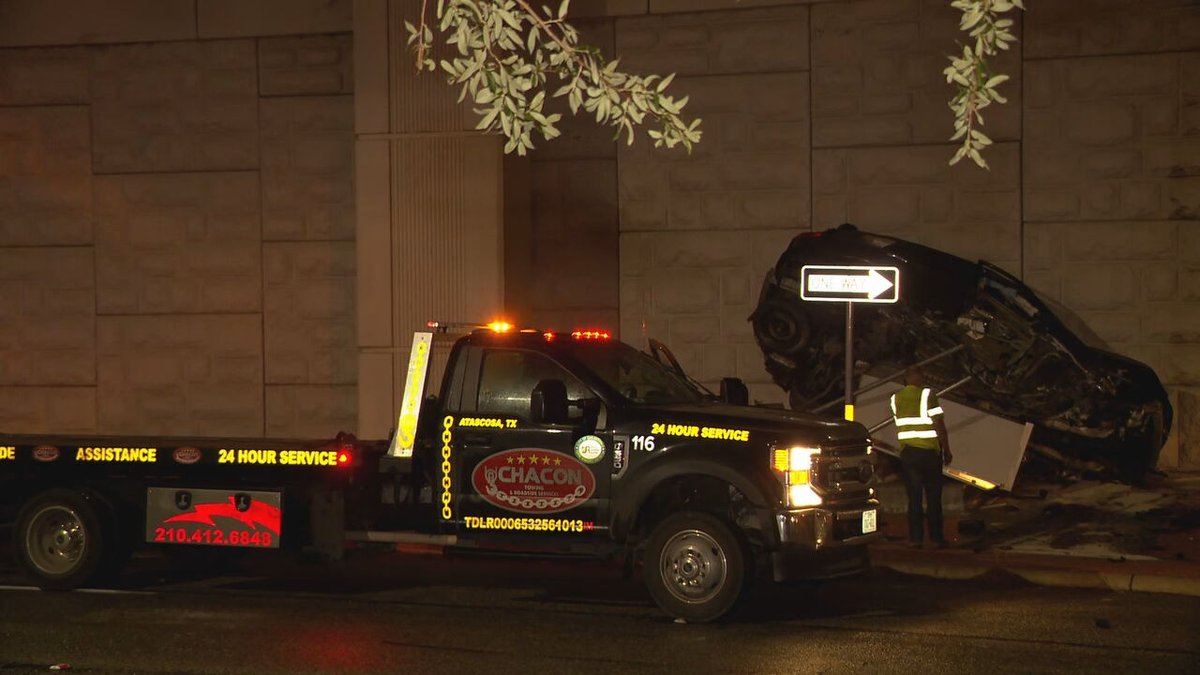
(849, 284)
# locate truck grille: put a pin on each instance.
(844, 472)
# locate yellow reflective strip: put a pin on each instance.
(926, 433)
(893, 402)
(913, 421)
(924, 403)
(934, 411)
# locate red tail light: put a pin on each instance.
(345, 455)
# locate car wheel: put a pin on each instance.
(695, 566)
(782, 325)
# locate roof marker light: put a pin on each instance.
(591, 335)
(500, 326)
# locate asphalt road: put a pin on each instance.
(433, 614)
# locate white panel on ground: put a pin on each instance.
(987, 449)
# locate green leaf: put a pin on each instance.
(980, 137)
(962, 151)
(486, 121)
(977, 158)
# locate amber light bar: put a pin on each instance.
(591, 335)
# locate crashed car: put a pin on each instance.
(1091, 409)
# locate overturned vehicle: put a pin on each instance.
(1092, 410)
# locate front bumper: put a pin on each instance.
(822, 542)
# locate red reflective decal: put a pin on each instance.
(186, 455)
(257, 513)
(531, 480)
(45, 453)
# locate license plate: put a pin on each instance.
(868, 521)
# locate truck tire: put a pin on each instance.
(60, 539)
(695, 566)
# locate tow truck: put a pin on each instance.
(535, 441)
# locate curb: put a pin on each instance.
(1042, 570)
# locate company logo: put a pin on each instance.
(45, 453)
(186, 455)
(589, 449)
(530, 480)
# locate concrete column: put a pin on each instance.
(429, 209)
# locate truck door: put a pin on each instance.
(515, 477)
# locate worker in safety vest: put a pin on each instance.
(924, 448)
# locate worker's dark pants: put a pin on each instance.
(923, 474)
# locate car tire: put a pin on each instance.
(61, 538)
(695, 566)
(782, 325)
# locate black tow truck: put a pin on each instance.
(535, 441)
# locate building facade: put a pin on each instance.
(226, 218)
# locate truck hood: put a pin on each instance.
(786, 426)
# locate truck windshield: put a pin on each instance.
(635, 375)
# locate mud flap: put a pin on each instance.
(327, 515)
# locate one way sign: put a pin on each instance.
(849, 283)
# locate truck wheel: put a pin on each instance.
(695, 567)
(60, 539)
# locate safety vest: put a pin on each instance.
(914, 409)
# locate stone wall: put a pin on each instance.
(572, 248)
(177, 217)
(828, 112)
(1111, 178)
(698, 230)
(179, 241)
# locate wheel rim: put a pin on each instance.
(693, 566)
(56, 540)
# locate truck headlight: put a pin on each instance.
(795, 465)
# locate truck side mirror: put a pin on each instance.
(734, 391)
(548, 402)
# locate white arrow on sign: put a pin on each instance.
(872, 284)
